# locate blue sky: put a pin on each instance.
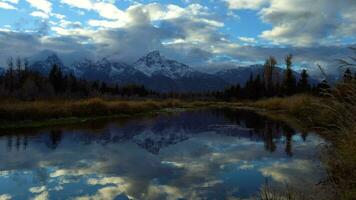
(209, 35)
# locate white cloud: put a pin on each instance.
(246, 4)
(42, 196)
(301, 23)
(109, 11)
(5, 197)
(40, 14)
(37, 189)
(83, 4)
(7, 6)
(58, 16)
(42, 5)
(11, 1)
(247, 39)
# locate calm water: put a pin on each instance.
(213, 154)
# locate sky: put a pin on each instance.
(209, 35)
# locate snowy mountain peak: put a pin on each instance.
(152, 59)
(154, 54)
(155, 64)
(54, 59)
(46, 65)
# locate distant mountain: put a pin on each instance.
(241, 75)
(170, 75)
(45, 66)
(154, 64)
(105, 70)
(154, 72)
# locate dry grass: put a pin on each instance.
(37, 110)
(340, 157)
(335, 118)
(307, 108)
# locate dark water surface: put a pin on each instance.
(209, 154)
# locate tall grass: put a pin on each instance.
(37, 110)
(340, 157)
(335, 118)
(307, 108)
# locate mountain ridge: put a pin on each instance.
(155, 72)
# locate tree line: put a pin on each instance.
(19, 81)
(270, 84)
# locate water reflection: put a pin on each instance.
(215, 154)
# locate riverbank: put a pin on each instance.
(34, 114)
(26, 114)
(334, 118)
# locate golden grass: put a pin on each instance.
(307, 108)
(340, 157)
(335, 118)
(37, 110)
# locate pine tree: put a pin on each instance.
(103, 88)
(289, 83)
(323, 88)
(269, 68)
(347, 75)
(303, 83)
(9, 80)
(56, 79)
(258, 87)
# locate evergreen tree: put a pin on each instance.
(95, 86)
(9, 80)
(268, 71)
(323, 88)
(303, 83)
(56, 79)
(103, 88)
(258, 87)
(347, 75)
(289, 82)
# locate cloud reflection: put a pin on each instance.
(185, 159)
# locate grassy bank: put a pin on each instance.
(309, 110)
(335, 118)
(14, 113)
(26, 114)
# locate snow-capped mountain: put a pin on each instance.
(99, 70)
(155, 64)
(153, 70)
(45, 66)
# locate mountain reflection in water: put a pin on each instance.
(207, 154)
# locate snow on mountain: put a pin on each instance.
(45, 66)
(153, 63)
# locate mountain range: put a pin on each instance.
(154, 71)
